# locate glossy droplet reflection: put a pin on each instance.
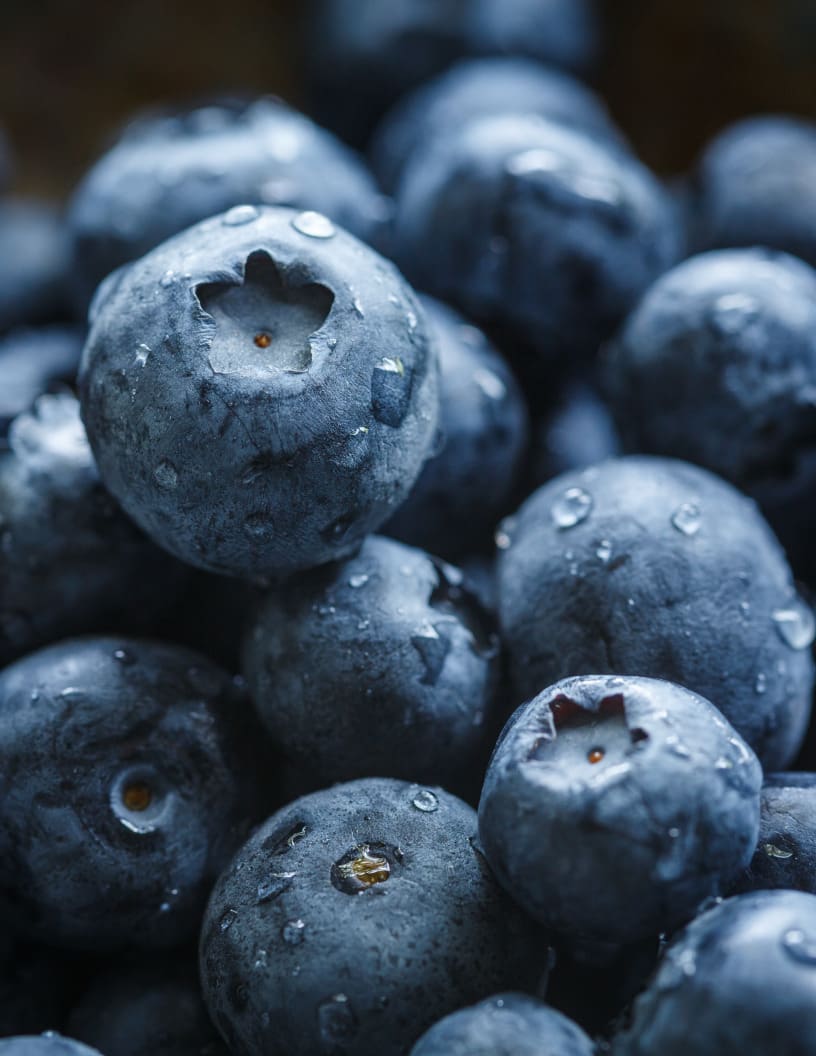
(571, 508)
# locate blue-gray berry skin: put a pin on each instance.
(125, 790)
(739, 981)
(651, 566)
(384, 664)
(539, 228)
(465, 487)
(146, 1009)
(354, 919)
(506, 1025)
(47, 1044)
(479, 88)
(69, 556)
(613, 807)
(755, 185)
(169, 171)
(260, 391)
(35, 265)
(786, 852)
(33, 361)
(364, 56)
(717, 365)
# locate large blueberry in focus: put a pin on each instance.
(786, 852)
(34, 361)
(146, 1009)
(384, 664)
(740, 979)
(654, 567)
(126, 787)
(507, 1025)
(169, 171)
(466, 485)
(755, 185)
(34, 265)
(538, 228)
(717, 365)
(354, 919)
(613, 807)
(68, 555)
(364, 54)
(478, 88)
(260, 392)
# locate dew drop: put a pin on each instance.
(426, 801)
(166, 475)
(571, 508)
(795, 625)
(773, 851)
(240, 214)
(274, 886)
(314, 225)
(761, 683)
(142, 353)
(293, 932)
(357, 581)
(491, 384)
(799, 946)
(686, 518)
(228, 918)
(123, 657)
(504, 533)
(167, 279)
(604, 551)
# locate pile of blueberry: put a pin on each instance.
(422, 668)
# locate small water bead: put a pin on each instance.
(357, 305)
(773, 851)
(357, 581)
(504, 533)
(491, 384)
(142, 353)
(240, 215)
(293, 932)
(604, 551)
(733, 312)
(166, 475)
(314, 225)
(799, 946)
(761, 683)
(687, 518)
(426, 801)
(795, 625)
(123, 657)
(571, 508)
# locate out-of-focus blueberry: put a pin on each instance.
(538, 228)
(613, 807)
(35, 361)
(47, 1044)
(507, 1025)
(755, 185)
(354, 919)
(465, 487)
(260, 391)
(70, 561)
(362, 55)
(35, 264)
(576, 432)
(717, 365)
(481, 88)
(740, 979)
(130, 780)
(655, 567)
(168, 171)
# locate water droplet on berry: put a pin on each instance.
(166, 475)
(426, 801)
(773, 851)
(571, 508)
(293, 932)
(686, 518)
(314, 225)
(799, 946)
(240, 215)
(795, 625)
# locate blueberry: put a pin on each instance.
(168, 171)
(717, 365)
(522, 222)
(35, 265)
(354, 919)
(466, 486)
(259, 392)
(574, 432)
(363, 55)
(754, 186)
(48, 1044)
(384, 664)
(36, 987)
(68, 555)
(146, 1009)
(479, 88)
(34, 361)
(507, 1025)
(654, 567)
(613, 807)
(739, 980)
(786, 852)
(126, 764)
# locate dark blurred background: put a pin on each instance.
(674, 72)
